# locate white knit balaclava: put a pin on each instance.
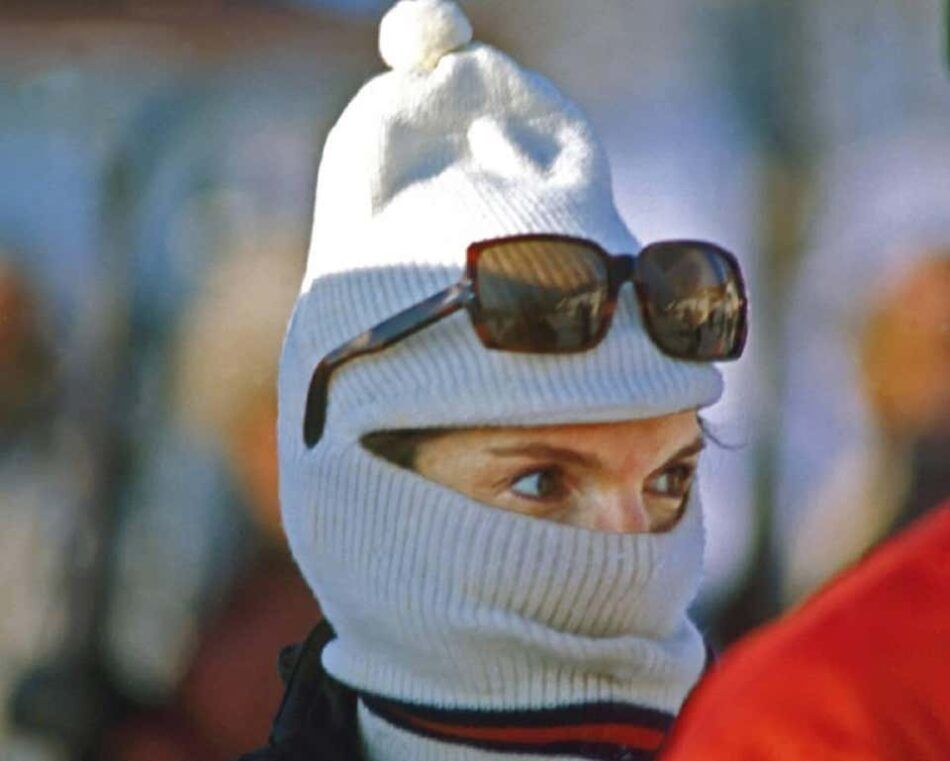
(444, 606)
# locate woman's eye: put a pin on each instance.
(674, 482)
(538, 484)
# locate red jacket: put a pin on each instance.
(861, 671)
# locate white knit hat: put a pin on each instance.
(436, 598)
(457, 144)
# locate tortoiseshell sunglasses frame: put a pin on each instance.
(464, 294)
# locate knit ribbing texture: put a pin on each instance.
(442, 600)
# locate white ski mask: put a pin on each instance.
(440, 600)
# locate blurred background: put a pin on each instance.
(158, 163)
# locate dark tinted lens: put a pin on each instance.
(541, 295)
(694, 300)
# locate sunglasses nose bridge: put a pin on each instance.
(624, 267)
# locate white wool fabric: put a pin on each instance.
(443, 601)
(438, 599)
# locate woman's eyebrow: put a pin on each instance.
(542, 451)
(695, 447)
(546, 451)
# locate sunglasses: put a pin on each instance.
(554, 294)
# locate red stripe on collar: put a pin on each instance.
(638, 738)
(592, 731)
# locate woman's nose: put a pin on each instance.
(620, 511)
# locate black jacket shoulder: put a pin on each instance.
(316, 720)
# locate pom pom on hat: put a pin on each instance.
(415, 34)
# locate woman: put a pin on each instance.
(523, 593)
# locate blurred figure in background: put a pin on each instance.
(141, 174)
(25, 385)
(905, 369)
(225, 399)
(867, 413)
(41, 479)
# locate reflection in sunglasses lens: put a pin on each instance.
(693, 303)
(542, 295)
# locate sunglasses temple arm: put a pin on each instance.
(396, 328)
